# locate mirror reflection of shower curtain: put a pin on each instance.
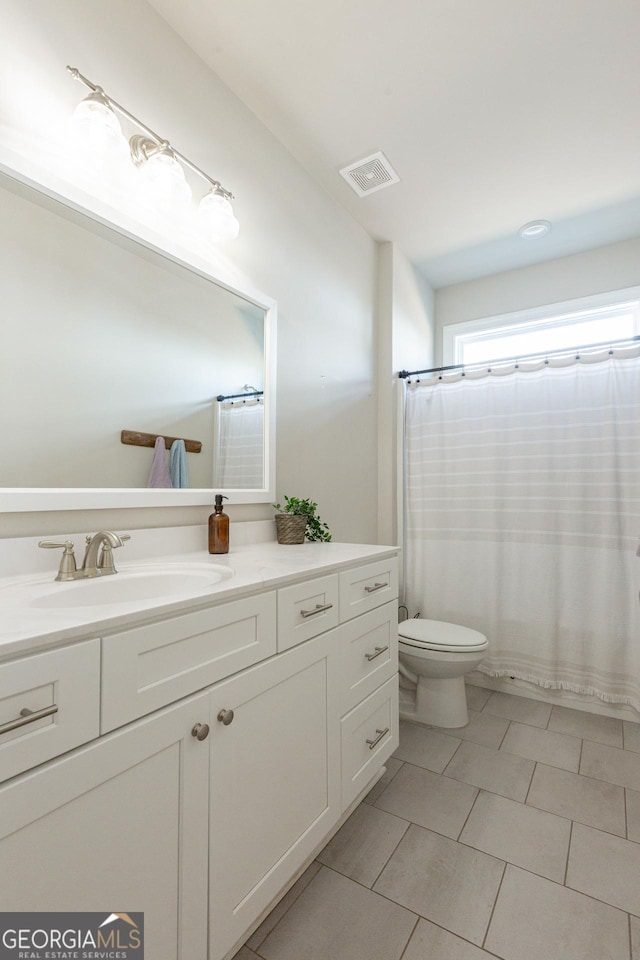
(239, 462)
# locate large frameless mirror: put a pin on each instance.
(109, 343)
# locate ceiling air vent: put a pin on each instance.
(371, 174)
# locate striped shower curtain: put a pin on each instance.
(239, 459)
(523, 517)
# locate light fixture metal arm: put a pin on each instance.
(75, 73)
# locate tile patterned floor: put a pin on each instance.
(517, 837)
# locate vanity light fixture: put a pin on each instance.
(216, 213)
(161, 165)
(95, 109)
(534, 229)
(160, 169)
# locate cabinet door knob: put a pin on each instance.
(226, 716)
(200, 731)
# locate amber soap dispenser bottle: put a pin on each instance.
(219, 528)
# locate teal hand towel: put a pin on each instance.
(179, 475)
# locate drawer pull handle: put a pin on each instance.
(381, 734)
(28, 716)
(319, 608)
(376, 586)
(226, 716)
(200, 731)
(377, 652)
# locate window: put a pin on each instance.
(578, 323)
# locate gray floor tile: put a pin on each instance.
(362, 846)
(476, 696)
(635, 938)
(278, 912)
(482, 728)
(605, 867)
(443, 881)
(611, 764)
(589, 726)
(545, 746)
(337, 918)
(594, 802)
(428, 799)
(392, 765)
(433, 943)
(536, 919)
(522, 835)
(633, 815)
(631, 735)
(425, 747)
(534, 712)
(329, 913)
(492, 770)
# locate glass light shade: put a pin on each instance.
(95, 110)
(95, 126)
(216, 216)
(165, 179)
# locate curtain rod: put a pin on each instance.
(232, 396)
(403, 374)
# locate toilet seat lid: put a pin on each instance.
(439, 635)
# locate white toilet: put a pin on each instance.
(434, 657)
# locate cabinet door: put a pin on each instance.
(274, 781)
(117, 825)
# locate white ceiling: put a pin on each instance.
(493, 113)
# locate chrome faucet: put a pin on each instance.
(92, 564)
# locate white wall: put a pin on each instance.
(296, 244)
(406, 329)
(613, 267)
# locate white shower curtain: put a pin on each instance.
(523, 516)
(240, 448)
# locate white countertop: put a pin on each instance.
(25, 628)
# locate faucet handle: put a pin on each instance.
(67, 569)
(51, 545)
(105, 561)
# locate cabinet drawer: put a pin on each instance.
(66, 682)
(307, 609)
(368, 654)
(369, 737)
(368, 586)
(148, 667)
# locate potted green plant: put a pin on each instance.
(297, 519)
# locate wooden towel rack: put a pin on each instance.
(137, 439)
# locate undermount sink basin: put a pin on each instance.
(166, 581)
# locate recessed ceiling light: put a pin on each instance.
(535, 228)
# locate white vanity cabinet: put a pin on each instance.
(120, 824)
(233, 738)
